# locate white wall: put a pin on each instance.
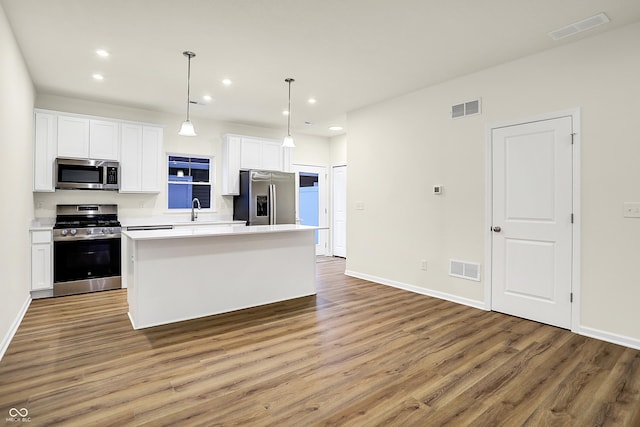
(338, 147)
(309, 150)
(16, 124)
(399, 148)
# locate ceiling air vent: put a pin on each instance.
(468, 108)
(464, 270)
(578, 27)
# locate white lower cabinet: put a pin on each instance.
(41, 260)
(140, 159)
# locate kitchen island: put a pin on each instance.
(191, 272)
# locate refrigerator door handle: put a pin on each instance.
(270, 204)
(274, 203)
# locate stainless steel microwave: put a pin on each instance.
(86, 174)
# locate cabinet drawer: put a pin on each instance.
(41, 236)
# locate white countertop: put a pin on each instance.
(218, 230)
(47, 223)
(41, 224)
(178, 221)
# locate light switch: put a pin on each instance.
(631, 210)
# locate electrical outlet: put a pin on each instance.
(423, 265)
(359, 206)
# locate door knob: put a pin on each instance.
(497, 229)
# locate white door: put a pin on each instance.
(339, 229)
(532, 221)
(311, 201)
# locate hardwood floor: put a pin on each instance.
(357, 354)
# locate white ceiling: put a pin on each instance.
(345, 53)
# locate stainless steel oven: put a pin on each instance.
(86, 249)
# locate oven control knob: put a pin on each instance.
(64, 232)
(73, 231)
(104, 231)
(89, 230)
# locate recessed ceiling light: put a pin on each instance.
(285, 112)
(311, 100)
(335, 128)
(102, 53)
(207, 98)
(226, 82)
(98, 77)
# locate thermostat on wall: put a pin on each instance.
(438, 189)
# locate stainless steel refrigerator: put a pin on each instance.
(265, 198)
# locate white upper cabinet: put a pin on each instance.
(73, 137)
(103, 140)
(245, 152)
(137, 146)
(272, 155)
(230, 165)
(84, 138)
(44, 151)
(250, 153)
(131, 158)
(141, 159)
(151, 165)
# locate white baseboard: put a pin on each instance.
(4, 345)
(418, 290)
(609, 337)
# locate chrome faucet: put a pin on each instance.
(194, 214)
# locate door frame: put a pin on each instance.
(575, 243)
(333, 198)
(323, 202)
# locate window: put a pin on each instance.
(189, 178)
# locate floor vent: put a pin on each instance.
(580, 26)
(464, 109)
(464, 270)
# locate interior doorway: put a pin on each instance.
(311, 201)
(339, 198)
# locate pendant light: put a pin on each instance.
(187, 127)
(288, 140)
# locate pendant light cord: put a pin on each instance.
(189, 55)
(289, 80)
(188, 84)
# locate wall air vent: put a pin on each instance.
(464, 270)
(464, 109)
(580, 26)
